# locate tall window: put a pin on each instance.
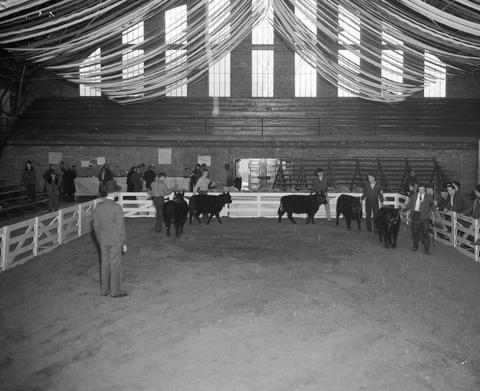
(305, 74)
(392, 64)
(219, 77)
(132, 59)
(89, 74)
(218, 35)
(349, 52)
(435, 77)
(262, 53)
(176, 54)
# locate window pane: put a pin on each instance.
(133, 68)
(262, 33)
(435, 77)
(347, 84)
(306, 12)
(133, 35)
(349, 25)
(218, 20)
(88, 68)
(392, 69)
(305, 78)
(262, 73)
(219, 77)
(175, 60)
(176, 25)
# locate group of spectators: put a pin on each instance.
(423, 199)
(199, 178)
(448, 197)
(58, 183)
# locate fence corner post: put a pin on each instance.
(60, 227)
(5, 248)
(454, 229)
(79, 232)
(35, 237)
(476, 237)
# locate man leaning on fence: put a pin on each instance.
(476, 209)
(109, 229)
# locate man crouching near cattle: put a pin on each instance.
(320, 185)
(418, 213)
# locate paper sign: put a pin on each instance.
(164, 156)
(101, 160)
(55, 157)
(204, 160)
(84, 163)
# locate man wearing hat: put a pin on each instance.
(110, 231)
(372, 195)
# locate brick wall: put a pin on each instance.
(460, 159)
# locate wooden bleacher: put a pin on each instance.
(350, 173)
(98, 118)
(14, 201)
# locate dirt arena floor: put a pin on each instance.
(246, 305)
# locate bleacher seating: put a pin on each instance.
(350, 173)
(98, 118)
(14, 201)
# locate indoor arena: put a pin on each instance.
(252, 195)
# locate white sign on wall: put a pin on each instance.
(164, 156)
(204, 160)
(101, 160)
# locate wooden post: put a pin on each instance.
(454, 229)
(60, 227)
(79, 232)
(476, 237)
(5, 248)
(35, 237)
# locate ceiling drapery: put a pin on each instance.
(59, 35)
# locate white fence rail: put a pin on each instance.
(243, 204)
(22, 241)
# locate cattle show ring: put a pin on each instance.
(248, 304)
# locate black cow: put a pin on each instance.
(175, 211)
(208, 204)
(387, 222)
(351, 208)
(308, 204)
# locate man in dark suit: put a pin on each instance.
(110, 231)
(372, 195)
(420, 206)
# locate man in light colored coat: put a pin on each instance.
(110, 231)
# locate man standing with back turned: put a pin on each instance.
(110, 231)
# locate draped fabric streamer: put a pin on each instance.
(59, 35)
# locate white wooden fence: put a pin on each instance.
(243, 204)
(22, 241)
